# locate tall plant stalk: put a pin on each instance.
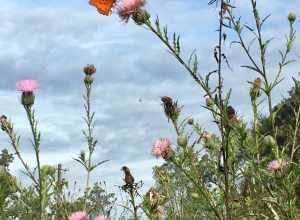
(36, 145)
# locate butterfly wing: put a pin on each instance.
(103, 6)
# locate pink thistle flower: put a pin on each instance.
(125, 8)
(161, 147)
(27, 85)
(274, 165)
(101, 217)
(80, 215)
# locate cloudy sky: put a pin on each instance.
(51, 41)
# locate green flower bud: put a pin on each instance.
(190, 121)
(209, 102)
(27, 99)
(140, 17)
(88, 79)
(182, 140)
(292, 17)
(269, 141)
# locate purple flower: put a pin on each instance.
(274, 165)
(27, 85)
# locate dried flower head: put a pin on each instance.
(231, 113)
(206, 136)
(89, 69)
(3, 119)
(5, 124)
(255, 90)
(171, 108)
(80, 215)
(152, 198)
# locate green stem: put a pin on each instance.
(36, 145)
(254, 109)
(89, 137)
(132, 201)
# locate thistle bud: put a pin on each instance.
(182, 140)
(88, 79)
(140, 17)
(292, 17)
(190, 121)
(209, 102)
(269, 141)
(27, 99)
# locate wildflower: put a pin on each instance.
(101, 217)
(80, 215)
(27, 87)
(162, 148)
(274, 165)
(126, 8)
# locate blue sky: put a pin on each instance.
(51, 41)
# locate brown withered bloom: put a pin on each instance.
(231, 113)
(129, 179)
(153, 198)
(3, 119)
(171, 108)
(5, 125)
(255, 90)
(89, 69)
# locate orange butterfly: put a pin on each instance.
(103, 6)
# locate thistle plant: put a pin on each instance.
(241, 171)
(86, 162)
